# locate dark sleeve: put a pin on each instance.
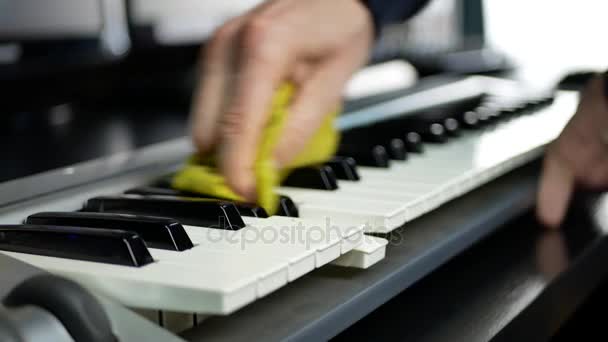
(386, 12)
(606, 83)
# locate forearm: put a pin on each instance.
(386, 12)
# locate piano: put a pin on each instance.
(405, 232)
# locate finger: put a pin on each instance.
(596, 178)
(262, 65)
(209, 96)
(557, 184)
(317, 96)
(552, 254)
(576, 149)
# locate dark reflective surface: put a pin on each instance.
(523, 282)
(37, 141)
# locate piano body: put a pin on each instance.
(427, 173)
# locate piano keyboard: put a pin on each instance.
(387, 197)
(182, 256)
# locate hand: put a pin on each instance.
(578, 157)
(315, 44)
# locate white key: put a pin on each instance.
(415, 193)
(400, 174)
(420, 197)
(221, 289)
(327, 237)
(367, 254)
(324, 232)
(271, 273)
(299, 261)
(339, 206)
(411, 188)
(288, 239)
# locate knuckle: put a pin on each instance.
(201, 141)
(258, 37)
(232, 125)
(222, 36)
(227, 31)
(257, 30)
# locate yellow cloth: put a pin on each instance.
(200, 174)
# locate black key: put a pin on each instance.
(163, 181)
(209, 213)
(519, 108)
(452, 127)
(548, 100)
(470, 120)
(427, 125)
(287, 207)
(116, 247)
(319, 178)
(246, 209)
(375, 156)
(396, 149)
(251, 210)
(434, 133)
(157, 232)
(508, 111)
(156, 191)
(483, 118)
(366, 145)
(345, 168)
(540, 102)
(534, 104)
(413, 142)
(490, 113)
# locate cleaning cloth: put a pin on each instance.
(201, 175)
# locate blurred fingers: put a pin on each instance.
(209, 96)
(557, 184)
(320, 94)
(262, 63)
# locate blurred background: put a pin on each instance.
(548, 39)
(87, 78)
